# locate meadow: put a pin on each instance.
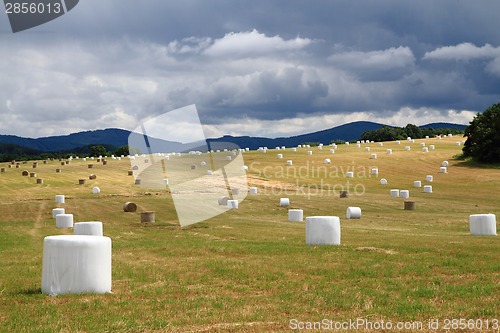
(249, 270)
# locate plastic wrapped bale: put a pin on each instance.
(210, 172)
(294, 149)
(349, 174)
(309, 152)
(147, 217)
(223, 201)
(57, 211)
(443, 170)
(427, 188)
(395, 193)
(374, 171)
(408, 148)
(388, 151)
(64, 221)
(235, 191)
(367, 148)
(96, 190)
(444, 164)
(327, 161)
(289, 162)
(320, 147)
(60, 199)
(425, 150)
(284, 202)
(253, 190)
(233, 204)
(410, 205)
(295, 215)
(244, 168)
(129, 207)
(353, 213)
(75, 264)
(458, 143)
(405, 194)
(483, 224)
(280, 156)
(228, 158)
(429, 178)
(417, 184)
(383, 181)
(137, 182)
(322, 230)
(332, 151)
(432, 147)
(373, 156)
(93, 228)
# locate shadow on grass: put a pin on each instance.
(470, 163)
(30, 291)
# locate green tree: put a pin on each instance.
(96, 151)
(483, 136)
(123, 150)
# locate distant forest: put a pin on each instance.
(387, 133)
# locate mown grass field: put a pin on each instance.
(249, 269)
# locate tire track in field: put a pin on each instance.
(38, 221)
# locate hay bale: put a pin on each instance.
(284, 202)
(443, 170)
(62, 163)
(235, 191)
(130, 173)
(148, 217)
(425, 150)
(367, 149)
(57, 211)
(135, 167)
(253, 190)
(193, 166)
(129, 207)
(428, 189)
(383, 181)
(280, 156)
(405, 194)
(322, 230)
(410, 205)
(96, 190)
(327, 161)
(165, 181)
(59, 198)
(429, 178)
(92, 176)
(232, 204)
(289, 162)
(39, 181)
(58, 170)
(388, 151)
(309, 152)
(373, 156)
(81, 181)
(417, 184)
(137, 182)
(90, 166)
(349, 174)
(32, 175)
(295, 215)
(344, 194)
(88, 228)
(395, 193)
(223, 201)
(483, 224)
(374, 171)
(408, 148)
(353, 213)
(64, 221)
(25, 173)
(444, 164)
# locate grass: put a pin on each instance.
(249, 269)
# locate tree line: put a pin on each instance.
(388, 133)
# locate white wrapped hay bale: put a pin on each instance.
(284, 202)
(57, 211)
(429, 178)
(96, 190)
(322, 230)
(427, 188)
(349, 174)
(165, 181)
(483, 224)
(417, 184)
(353, 213)
(60, 198)
(253, 190)
(294, 149)
(405, 194)
(422, 144)
(367, 148)
(444, 164)
(358, 145)
(443, 170)
(373, 156)
(425, 150)
(347, 143)
(244, 168)
(223, 201)
(228, 158)
(64, 221)
(374, 171)
(320, 147)
(389, 151)
(380, 144)
(332, 151)
(458, 143)
(233, 204)
(280, 156)
(295, 215)
(395, 193)
(74, 264)
(432, 147)
(398, 142)
(93, 228)
(210, 172)
(309, 152)
(289, 162)
(383, 181)
(408, 148)
(327, 161)
(203, 163)
(235, 191)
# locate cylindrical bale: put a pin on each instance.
(57, 211)
(284, 202)
(405, 194)
(148, 217)
(407, 148)
(34, 165)
(427, 188)
(375, 171)
(373, 156)
(425, 150)
(444, 164)
(383, 181)
(193, 166)
(96, 190)
(104, 162)
(90, 166)
(295, 215)
(92, 176)
(39, 181)
(17, 166)
(93, 228)
(203, 163)
(458, 143)
(81, 181)
(223, 201)
(367, 148)
(25, 173)
(358, 145)
(137, 182)
(417, 184)
(294, 149)
(289, 162)
(228, 158)
(349, 174)
(129, 207)
(280, 156)
(483, 224)
(429, 178)
(344, 194)
(322, 230)
(44, 162)
(332, 151)
(33, 174)
(410, 205)
(233, 204)
(353, 213)
(253, 190)
(130, 173)
(327, 161)
(388, 151)
(309, 152)
(235, 191)
(381, 144)
(58, 170)
(432, 147)
(320, 147)
(395, 193)
(443, 170)
(62, 163)
(64, 221)
(135, 167)
(59, 198)
(165, 181)
(2, 169)
(210, 172)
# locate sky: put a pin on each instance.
(262, 68)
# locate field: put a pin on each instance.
(249, 269)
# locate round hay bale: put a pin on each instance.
(210, 172)
(39, 181)
(349, 174)
(253, 190)
(383, 181)
(280, 156)
(388, 151)
(135, 167)
(444, 164)
(58, 170)
(67, 162)
(367, 148)
(428, 189)
(193, 166)
(129, 207)
(309, 152)
(104, 162)
(322, 230)
(395, 193)
(81, 181)
(289, 162)
(90, 166)
(146, 161)
(137, 182)
(375, 171)
(64, 221)
(235, 191)
(92, 176)
(2, 169)
(429, 178)
(130, 173)
(60, 198)
(32, 174)
(57, 211)
(88, 228)
(483, 224)
(344, 194)
(443, 170)
(25, 173)
(408, 148)
(284, 202)
(232, 204)
(373, 156)
(405, 194)
(295, 215)
(327, 161)
(223, 201)
(353, 213)
(417, 184)
(18, 166)
(410, 205)
(35, 165)
(44, 162)
(148, 217)
(62, 163)
(96, 190)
